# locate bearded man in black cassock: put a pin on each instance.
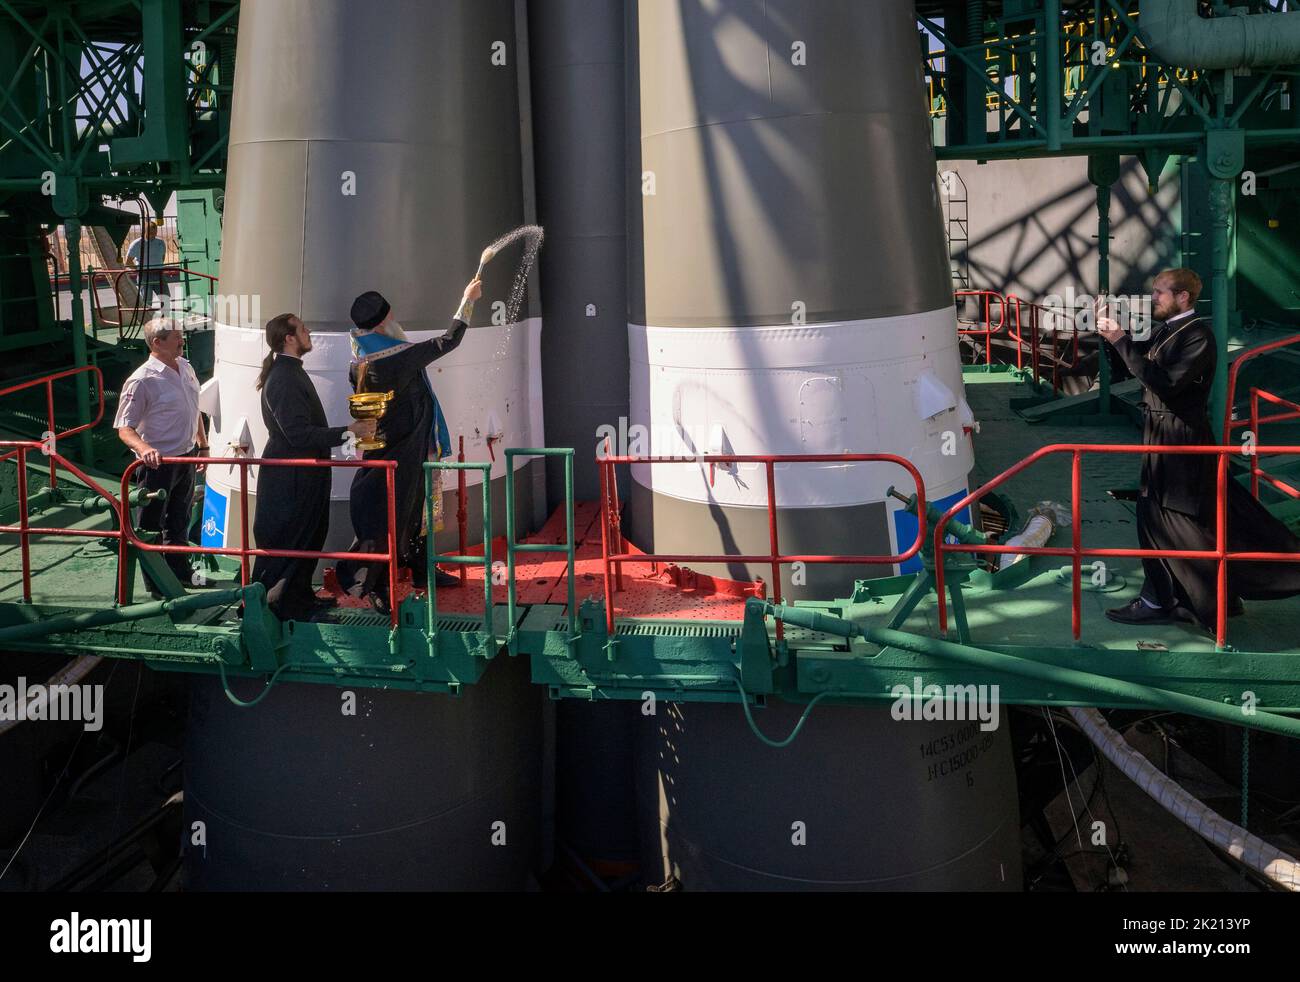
(413, 431)
(1176, 506)
(293, 503)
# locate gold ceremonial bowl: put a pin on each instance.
(369, 405)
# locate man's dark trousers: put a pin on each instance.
(171, 517)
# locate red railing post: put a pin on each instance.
(940, 548)
(772, 543)
(988, 331)
(1254, 435)
(389, 471)
(617, 529)
(23, 533)
(1221, 546)
(243, 521)
(1076, 510)
(601, 466)
(1020, 337)
(50, 433)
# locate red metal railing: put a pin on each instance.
(609, 505)
(1076, 552)
(611, 522)
(1234, 370)
(984, 324)
(1032, 321)
(48, 381)
(24, 531)
(1255, 420)
(1256, 472)
(125, 532)
(114, 279)
(243, 550)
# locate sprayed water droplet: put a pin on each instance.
(532, 235)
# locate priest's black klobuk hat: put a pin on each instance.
(369, 310)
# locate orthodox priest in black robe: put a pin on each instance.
(293, 503)
(413, 431)
(1176, 505)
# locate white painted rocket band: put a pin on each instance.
(489, 386)
(883, 385)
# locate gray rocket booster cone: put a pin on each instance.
(374, 146)
(793, 297)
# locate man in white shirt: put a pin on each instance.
(158, 416)
(148, 254)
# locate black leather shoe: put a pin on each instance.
(1138, 612)
(444, 580)
(1235, 607)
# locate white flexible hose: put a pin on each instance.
(1233, 839)
(70, 674)
(1035, 533)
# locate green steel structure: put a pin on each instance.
(100, 101)
(857, 649)
(1104, 78)
(107, 99)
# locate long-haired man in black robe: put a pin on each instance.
(413, 430)
(1177, 499)
(293, 503)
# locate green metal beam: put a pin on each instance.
(165, 136)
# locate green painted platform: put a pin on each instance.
(724, 660)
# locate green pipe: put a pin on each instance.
(72, 229)
(1051, 78)
(120, 615)
(42, 498)
(960, 531)
(995, 661)
(1172, 29)
(1189, 142)
(510, 551)
(1221, 216)
(1103, 289)
(97, 503)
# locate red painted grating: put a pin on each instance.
(540, 579)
